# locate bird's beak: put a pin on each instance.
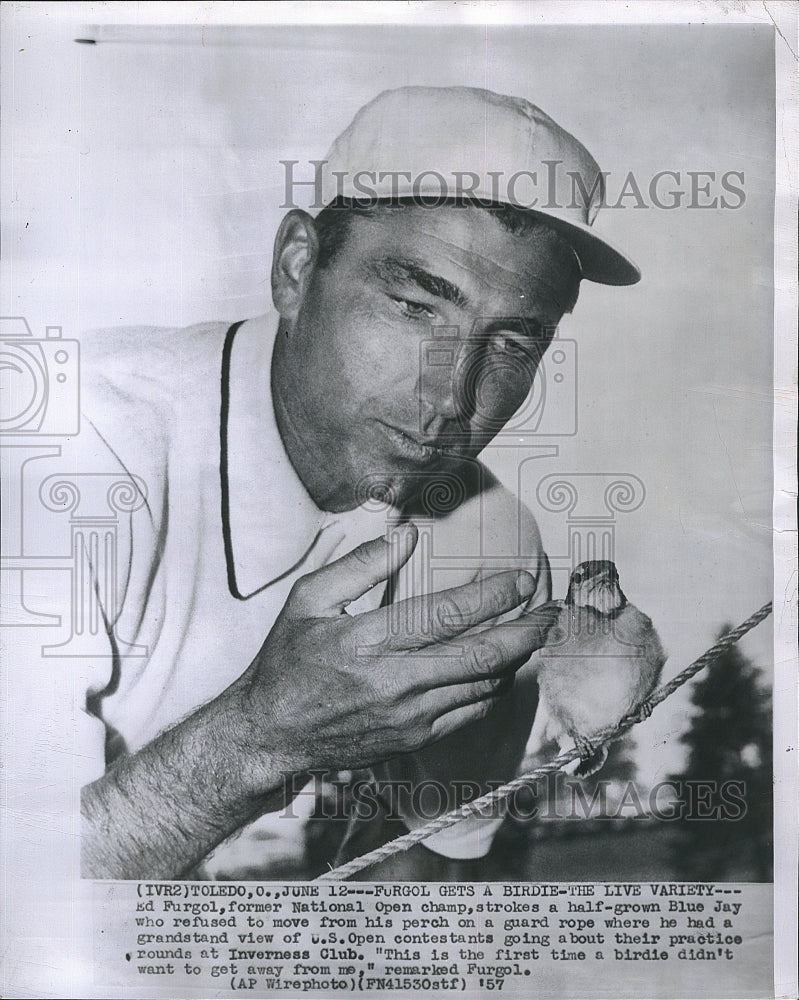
(607, 596)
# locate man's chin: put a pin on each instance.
(425, 488)
(440, 490)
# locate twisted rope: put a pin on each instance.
(608, 735)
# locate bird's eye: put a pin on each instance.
(578, 578)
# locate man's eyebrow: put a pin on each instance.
(396, 269)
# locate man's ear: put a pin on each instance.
(296, 248)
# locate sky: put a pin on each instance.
(147, 187)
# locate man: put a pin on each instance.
(263, 627)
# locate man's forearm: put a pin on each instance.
(157, 813)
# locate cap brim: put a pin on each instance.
(599, 259)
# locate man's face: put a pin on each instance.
(367, 390)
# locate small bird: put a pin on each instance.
(601, 660)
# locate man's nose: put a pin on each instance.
(442, 382)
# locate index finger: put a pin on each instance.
(430, 618)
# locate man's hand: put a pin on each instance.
(332, 690)
(326, 690)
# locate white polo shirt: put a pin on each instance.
(204, 566)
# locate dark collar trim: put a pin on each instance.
(223, 464)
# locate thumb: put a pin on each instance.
(327, 591)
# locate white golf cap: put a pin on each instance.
(434, 143)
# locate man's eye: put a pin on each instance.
(506, 343)
(415, 310)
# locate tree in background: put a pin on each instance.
(729, 740)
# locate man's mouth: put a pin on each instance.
(412, 448)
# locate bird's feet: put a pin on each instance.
(592, 757)
(646, 708)
(584, 747)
